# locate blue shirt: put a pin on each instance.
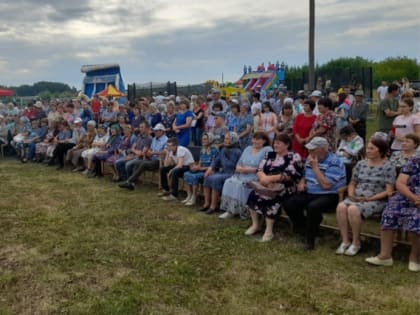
(158, 145)
(334, 171)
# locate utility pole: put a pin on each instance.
(311, 72)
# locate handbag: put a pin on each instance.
(272, 191)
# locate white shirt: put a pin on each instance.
(182, 152)
(382, 91)
(256, 106)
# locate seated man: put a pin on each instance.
(151, 161)
(177, 161)
(324, 175)
(137, 152)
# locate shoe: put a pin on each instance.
(252, 230)
(267, 238)
(127, 185)
(59, 168)
(379, 262)
(169, 198)
(352, 250)
(85, 172)
(186, 199)
(342, 248)
(74, 170)
(192, 201)
(210, 211)
(203, 209)
(310, 244)
(163, 193)
(226, 215)
(412, 266)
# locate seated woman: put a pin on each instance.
(372, 183)
(409, 145)
(235, 192)
(111, 146)
(351, 145)
(220, 169)
(75, 153)
(402, 212)
(98, 143)
(195, 175)
(279, 166)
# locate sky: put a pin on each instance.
(192, 41)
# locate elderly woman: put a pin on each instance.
(409, 145)
(279, 166)
(220, 169)
(168, 119)
(74, 154)
(371, 184)
(155, 116)
(99, 142)
(286, 120)
(182, 124)
(195, 175)
(402, 212)
(235, 192)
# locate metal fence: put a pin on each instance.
(334, 79)
(137, 90)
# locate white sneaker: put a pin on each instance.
(85, 172)
(379, 262)
(192, 201)
(169, 198)
(412, 266)
(163, 193)
(342, 248)
(352, 250)
(186, 199)
(226, 215)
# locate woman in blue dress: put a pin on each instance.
(222, 167)
(195, 175)
(244, 125)
(235, 192)
(182, 124)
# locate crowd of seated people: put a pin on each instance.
(256, 157)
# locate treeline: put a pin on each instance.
(44, 90)
(390, 69)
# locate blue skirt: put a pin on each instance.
(216, 181)
(193, 178)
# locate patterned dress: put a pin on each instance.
(235, 192)
(328, 122)
(371, 180)
(400, 212)
(292, 166)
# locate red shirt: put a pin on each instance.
(96, 105)
(302, 127)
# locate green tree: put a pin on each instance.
(392, 69)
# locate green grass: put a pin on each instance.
(74, 245)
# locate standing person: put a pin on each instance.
(220, 128)
(198, 126)
(382, 91)
(256, 109)
(177, 161)
(245, 125)
(278, 166)
(268, 120)
(182, 124)
(324, 175)
(302, 128)
(235, 192)
(388, 109)
(370, 186)
(215, 98)
(168, 119)
(286, 120)
(358, 114)
(405, 123)
(325, 123)
(402, 212)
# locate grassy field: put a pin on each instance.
(74, 245)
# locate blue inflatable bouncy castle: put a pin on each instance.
(98, 77)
